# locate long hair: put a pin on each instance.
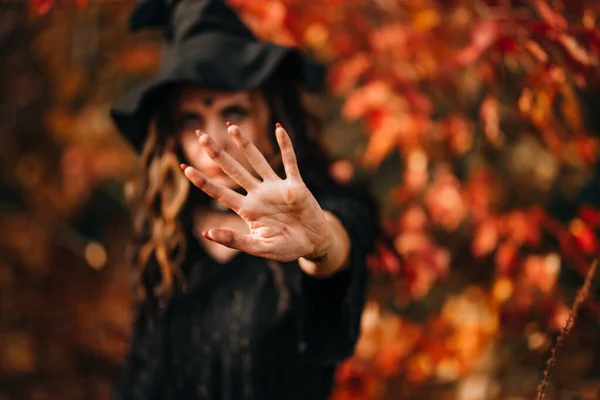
(163, 200)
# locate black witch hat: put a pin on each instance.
(205, 43)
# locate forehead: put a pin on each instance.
(195, 96)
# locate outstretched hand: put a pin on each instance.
(284, 219)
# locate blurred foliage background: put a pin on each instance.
(476, 122)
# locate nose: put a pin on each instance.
(217, 130)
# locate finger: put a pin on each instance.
(254, 156)
(288, 155)
(227, 163)
(235, 240)
(218, 192)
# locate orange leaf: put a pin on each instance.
(459, 132)
(577, 52)
(483, 36)
(380, 145)
(541, 271)
(426, 19)
(486, 238)
(389, 38)
(489, 112)
(374, 95)
(536, 51)
(345, 75)
(584, 236)
(549, 16)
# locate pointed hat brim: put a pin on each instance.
(216, 61)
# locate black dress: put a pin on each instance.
(253, 328)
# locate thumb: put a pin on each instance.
(234, 240)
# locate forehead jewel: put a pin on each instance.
(208, 101)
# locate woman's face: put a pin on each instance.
(208, 111)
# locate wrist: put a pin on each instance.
(321, 253)
(330, 255)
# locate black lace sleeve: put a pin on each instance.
(331, 308)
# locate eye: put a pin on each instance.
(190, 122)
(235, 114)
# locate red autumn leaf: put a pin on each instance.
(342, 45)
(520, 227)
(585, 238)
(414, 220)
(384, 260)
(445, 202)
(576, 51)
(409, 243)
(588, 149)
(506, 258)
(355, 382)
(459, 132)
(590, 216)
(485, 239)
(485, 33)
(373, 96)
(419, 368)
(390, 129)
(418, 102)
(423, 266)
(541, 271)
(558, 318)
(592, 38)
(345, 75)
(483, 36)
(389, 359)
(489, 112)
(538, 29)
(552, 19)
(479, 192)
(389, 38)
(41, 7)
(506, 44)
(536, 51)
(381, 143)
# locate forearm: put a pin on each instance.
(333, 255)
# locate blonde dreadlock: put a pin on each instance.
(159, 193)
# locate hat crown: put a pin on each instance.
(182, 20)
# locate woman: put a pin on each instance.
(252, 279)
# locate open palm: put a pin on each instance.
(284, 219)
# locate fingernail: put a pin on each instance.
(183, 166)
(228, 124)
(277, 125)
(198, 133)
(206, 235)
